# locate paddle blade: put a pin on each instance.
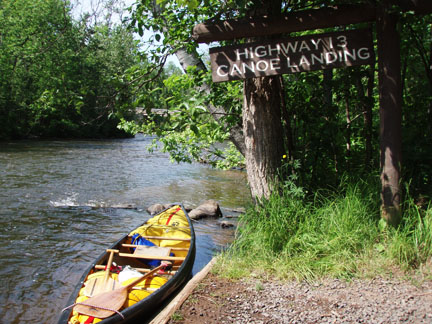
(107, 303)
(103, 305)
(96, 286)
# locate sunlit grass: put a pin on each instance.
(336, 234)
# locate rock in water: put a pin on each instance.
(209, 208)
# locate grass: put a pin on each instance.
(335, 233)
(177, 317)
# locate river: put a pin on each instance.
(61, 204)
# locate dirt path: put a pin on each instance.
(218, 300)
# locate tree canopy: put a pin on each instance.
(61, 77)
(66, 77)
(331, 118)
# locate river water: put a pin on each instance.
(60, 207)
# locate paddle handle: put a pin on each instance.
(110, 260)
(137, 281)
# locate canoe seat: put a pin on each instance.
(152, 250)
(172, 248)
(143, 270)
(154, 257)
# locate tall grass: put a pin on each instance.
(335, 233)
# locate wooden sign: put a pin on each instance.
(292, 55)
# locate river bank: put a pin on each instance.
(253, 300)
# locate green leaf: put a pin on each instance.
(195, 129)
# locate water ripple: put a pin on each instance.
(57, 215)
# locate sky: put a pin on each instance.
(83, 6)
(90, 6)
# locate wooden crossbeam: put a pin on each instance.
(151, 257)
(143, 270)
(172, 248)
(341, 15)
(288, 23)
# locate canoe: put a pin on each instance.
(156, 258)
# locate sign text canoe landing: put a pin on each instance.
(291, 55)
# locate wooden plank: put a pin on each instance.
(151, 257)
(143, 270)
(341, 15)
(292, 55)
(288, 23)
(172, 248)
(152, 250)
(164, 316)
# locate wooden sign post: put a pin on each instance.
(390, 97)
(326, 51)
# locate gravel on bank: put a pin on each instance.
(220, 300)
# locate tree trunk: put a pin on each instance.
(263, 103)
(390, 115)
(263, 130)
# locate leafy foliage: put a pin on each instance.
(332, 118)
(59, 77)
(308, 228)
(183, 126)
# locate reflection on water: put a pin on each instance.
(50, 229)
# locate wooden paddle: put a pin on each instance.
(96, 286)
(108, 303)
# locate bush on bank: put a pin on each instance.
(333, 233)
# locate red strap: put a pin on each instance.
(89, 320)
(114, 268)
(169, 218)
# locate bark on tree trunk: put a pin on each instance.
(390, 115)
(263, 103)
(263, 130)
